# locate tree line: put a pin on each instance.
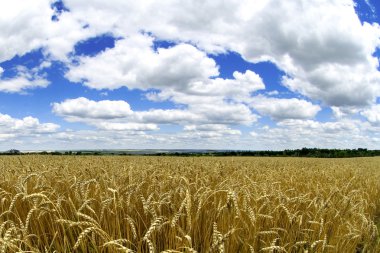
(304, 152)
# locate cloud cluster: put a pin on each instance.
(28, 26)
(208, 131)
(118, 116)
(80, 108)
(22, 26)
(330, 60)
(133, 63)
(283, 108)
(291, 134)
(28, 126)
(295, 126)
(372, 114)
(287, 135)
(324, 50)
(24, 80)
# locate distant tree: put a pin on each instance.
(14, 152)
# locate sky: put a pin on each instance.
(189, 74)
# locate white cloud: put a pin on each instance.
(283, 108)
(126, 126)
(105, 114)
(24, 80)
(329, 60)
(211, 130)
(62, 36)
(327, 127)
(204, 100)
(338, 85)
(19, 84)
(291, 134)
(134, 64)
(27, 126)
(105, 139)
(27, 25)
(213, 101)
(168, 116)
(84, 108)
(220, 113)
(239, 88)
(216, 95)
(22, 26)
(119, 114)
(273, 93)
(344, 112)
(372, 114)
(4, 137)
(287, 135)
(224, 113)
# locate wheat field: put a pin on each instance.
(174, 204)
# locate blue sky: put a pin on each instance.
(79, 74)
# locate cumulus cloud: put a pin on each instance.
(283, 108)
(84, 108)
(204, 100)
(214, 91)
(211, 130)
(105, 114)
(105, 139)
(344, 112)
(309, 133)
(168, 116)
(239, 88)
(27, 26)
(126, 126)
(220, 113)
(327, 127)
(292, 134)
(24, 80)
(27, 126)
(338, 85)
(225, 113)
(330, 63)
(22, 26)
(329, 60)
(21, 83)
(323, 61)
(372, 114)
(119, 114)
(133, 63)
(214, 100)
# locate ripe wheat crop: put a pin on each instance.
(167, 204)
